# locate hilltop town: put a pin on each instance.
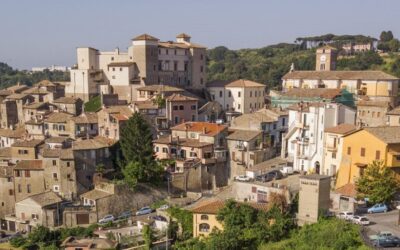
(141, 149)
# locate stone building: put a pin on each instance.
(314, 198)
(7, 198)
(69, 105)
(28, 178)
(372, 113)
(112, 119)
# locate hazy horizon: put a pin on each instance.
(43, 33)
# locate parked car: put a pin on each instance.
(378, 208)
(106, 219)
(242, 178)
(381, 235)
(287, 170)
(345, 215)
(360, 220)
(164, 207)
(144, 210)
(391, 241)
(125, 215)
(273, 175)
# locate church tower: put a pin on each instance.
(326, 58)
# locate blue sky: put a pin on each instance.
(46, 32)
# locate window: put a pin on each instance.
(283, 122)
(54, 162)
(27, 173)
(176, 119)
(56, 188)
(55, 175)
(181, 107)
(166, 51)
(201, 56)
(112, 58)
(204, 227)
(35, 216)
(120, 69)
(186, 66)
(251, 93)
(28, 188)
(68, 164)
(11, 192)
(22, 151)
(175, 108)
(378, 114)
(274, 126)
(165, 150)
(175, 51)
(159, 65)
(204, 217)
(193, 107)
(193, 154)
(229, 93)
(239, 94)
(349, 150)
(220, 93)
(362, 153)
(17, 173)
(19, 188)
(238, 106)
(113, 69)
(157, 149)
(377, 155)
(333, 155)
(175, 66)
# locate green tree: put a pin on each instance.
(394, 45)
(132, 172)
(148, 236)
(378, 183)
(137, 141)
(386, 36)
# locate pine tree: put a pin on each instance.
(137, 141)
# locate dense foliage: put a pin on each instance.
(44, 238)
(185, 219)
(326, 234)
(244, 228)
(378, 183)
(333, 37)
(137, 148)
(93, 105)
(10, 76)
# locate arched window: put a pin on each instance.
(204, 217)
(204, 227)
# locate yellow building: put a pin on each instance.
(205, 216)
(366, 145)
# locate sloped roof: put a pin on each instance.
(180, 98)
(27, 143)
(17, 96)
(307, 93)
(341, 129)
(395, 111)
(67, 100)
(145, 37)
(210, 129)
(95, 143)
(213, 206)
(340, 75)
(29, 165)
(182, 142)
(58, 117)
(183, 35)
(146, 105)
(84, 118)
(45, 199)
(348, 190)
(159, 88)
(95, 194)
(51, 152)
(243, 135)
(217, 83)
(13, 133)
(244, 83)
(389, 135)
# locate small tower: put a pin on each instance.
(326, 58)
(183, 38)
(145, 55)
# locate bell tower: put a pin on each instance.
(326, 58)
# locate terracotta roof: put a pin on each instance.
(57, 139)
(255, 119)
(36, 91)
(340, 75)
(182, 142)
(95, 194)
(120, 117)
(29, 165)
(121, 64)
(17, 96)
(45, 199)
(341, 129)
(13, 133)
(67, 100)
(17, 88)
(5, 92)
(395, 111)
(159, 88)
(95, 143)
(145, 37)
(58, 117)
(243, 135)
(120, 109)
(217, 83)
(389, 135)
(27, 143)
(244, 83)
(204, 128)
(174, 45)
(319, 92)
(373, 103)
(180, 98)
(183, 35)
(213, 206)
(146, 105)
(85, 118)
(51, 153)
(348, 190)
(45, 83)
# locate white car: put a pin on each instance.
(287, 170)
(345, 215)
(242, 178)
(360, 220)
(106, 219)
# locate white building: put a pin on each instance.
(304, 143)
(147, 62)
(242, 96)
(333, 147)
(51, 68)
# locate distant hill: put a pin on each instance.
(10, 76)
(268, 64)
